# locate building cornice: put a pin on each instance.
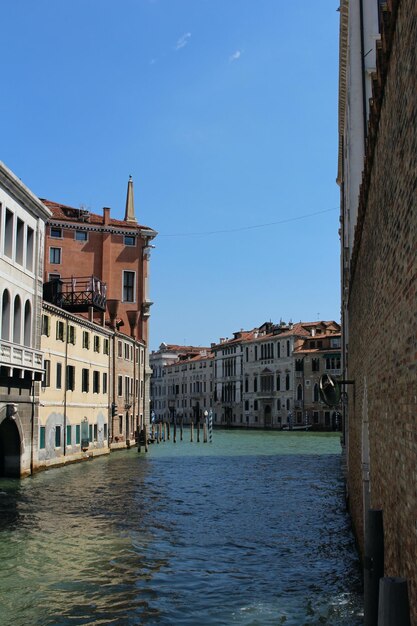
(21, 193)
(81, 321)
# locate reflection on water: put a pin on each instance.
(249, 530)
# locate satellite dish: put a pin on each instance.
(329, 390)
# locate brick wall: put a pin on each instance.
(383, 317)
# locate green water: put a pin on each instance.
(250, 529)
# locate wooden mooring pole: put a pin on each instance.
(204, 433)
(191, 431)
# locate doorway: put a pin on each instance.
(9, 449)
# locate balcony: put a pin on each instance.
(20, 357)
(76, 294)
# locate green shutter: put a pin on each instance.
(68, 435)
(42, 437)
(77, 434)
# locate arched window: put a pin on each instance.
(255, 384)
(278, 382)
(28, 324)
(316, 393)
(287, 382)
(17, 320)
(5, 316)
(299, 392)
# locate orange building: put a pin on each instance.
(98, 266)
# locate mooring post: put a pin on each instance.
(153, 432)
(168, 429)
(181, 428)
(394, 607)
(204, 433)
(145, 436)
(175, 431)
(373, 564)
(191, 431)
(198, 431)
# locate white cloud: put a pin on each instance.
(235, 56)
(182, 41)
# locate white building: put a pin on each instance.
(22, 228)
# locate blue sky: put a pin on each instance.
(225, 114)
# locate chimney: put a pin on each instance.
(130, 204)
(112, 307)
(106, 215)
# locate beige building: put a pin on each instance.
(127, 390)
(74, 397)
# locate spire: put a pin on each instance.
(130, 204)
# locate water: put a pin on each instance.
(248, 530)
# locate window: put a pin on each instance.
(105, 431)
(60, 331)
(55, 255)
(120, 385)
(96, 382)
(315, 365)
(106, 346)
(119, 349)
(246, 405)
(279, 404)
(56, 232)
(316, 393)
(71, 335)
(288, 348)
(128, 286)
(299, 365)
(54, 276)
(8, 234)
(315, 417)
(255, 384)
(104, 382)
(255, 405)
(77, 434)
(90, 433)
(130, 240)
(59, 375)
(30, 237)
(278, 382)
(96, 343)
(57, 436)
(42, 437)
(86, 340)
(20, 232)
(81, 235)
(246, 385)
(69, 443)
(95, 432)
(70, 377)
(299, 392)
(46, 325)
(47, 375)
(267, 383)
(85, 380)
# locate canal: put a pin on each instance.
(248, 530)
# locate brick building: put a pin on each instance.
(109, 258)
(377, 177)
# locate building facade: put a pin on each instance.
(263, 378)
(22, 228)
(189, 387)
(110, 258)
(74, 397)
(377, 177)
(158, 359)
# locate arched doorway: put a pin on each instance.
(267, 416)
(9, 449)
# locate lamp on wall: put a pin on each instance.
(11, 411)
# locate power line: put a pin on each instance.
(242, 228)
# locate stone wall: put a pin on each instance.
(383, 313)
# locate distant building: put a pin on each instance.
(22, 228)
(266, 377)
(189, 387)
(110, 259)
(158, 359)
(377, 177)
